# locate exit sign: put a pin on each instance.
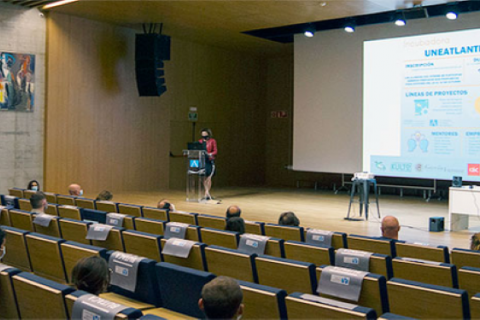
(278, 114)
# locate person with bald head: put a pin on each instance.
(390, 227)
(75, 190)
(233, 212)
(165, 204)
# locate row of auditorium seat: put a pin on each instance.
(440, 274)
(27, 296)
(465, 252)
(87, 207)
(56, 252)
(32, 251)
(75, 229)
(405, 297)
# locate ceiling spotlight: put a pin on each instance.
(349, 28)
(451, 15)
(309, 32)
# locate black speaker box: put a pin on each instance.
(152, 47)
(437, 224)
(150, 52)
(457, 181)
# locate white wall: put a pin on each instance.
(22, 133)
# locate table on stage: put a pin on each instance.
(362, 187)
(463, 203)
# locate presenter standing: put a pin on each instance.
(211, 147)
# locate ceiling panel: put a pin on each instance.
(222, 22)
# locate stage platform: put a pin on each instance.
(319, 209)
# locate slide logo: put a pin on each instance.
(401, 167)
(421, 107)
(473, 169)
(380, 165)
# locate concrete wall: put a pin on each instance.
(22, 133)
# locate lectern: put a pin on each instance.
(195, 174)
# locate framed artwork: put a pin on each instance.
(17, 81)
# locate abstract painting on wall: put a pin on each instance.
(17, 81)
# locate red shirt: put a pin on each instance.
(211, 148)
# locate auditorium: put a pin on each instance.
(171, 159)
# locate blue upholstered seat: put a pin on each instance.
(94, 215)
(175, 281)
(147, 289)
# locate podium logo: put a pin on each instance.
(474, 169)
(194, 163)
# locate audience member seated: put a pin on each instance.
(39, 202)
(75, 190)
(233, 211)
(222, 299)
(3, 248)
(34, 185)
(105, 195)
(288, 219)
(165, 204)
(475, 242)
(236, 224)
(390, 227)
(91, 275)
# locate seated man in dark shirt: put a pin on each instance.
(222, 299)
(390, 228)
(288, 219)
(233, 211)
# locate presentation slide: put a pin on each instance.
(421, 116)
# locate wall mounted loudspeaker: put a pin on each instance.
(151, 50)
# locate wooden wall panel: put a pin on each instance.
(228, 88)
(99, 133)
(102, 135)
(279, 96)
